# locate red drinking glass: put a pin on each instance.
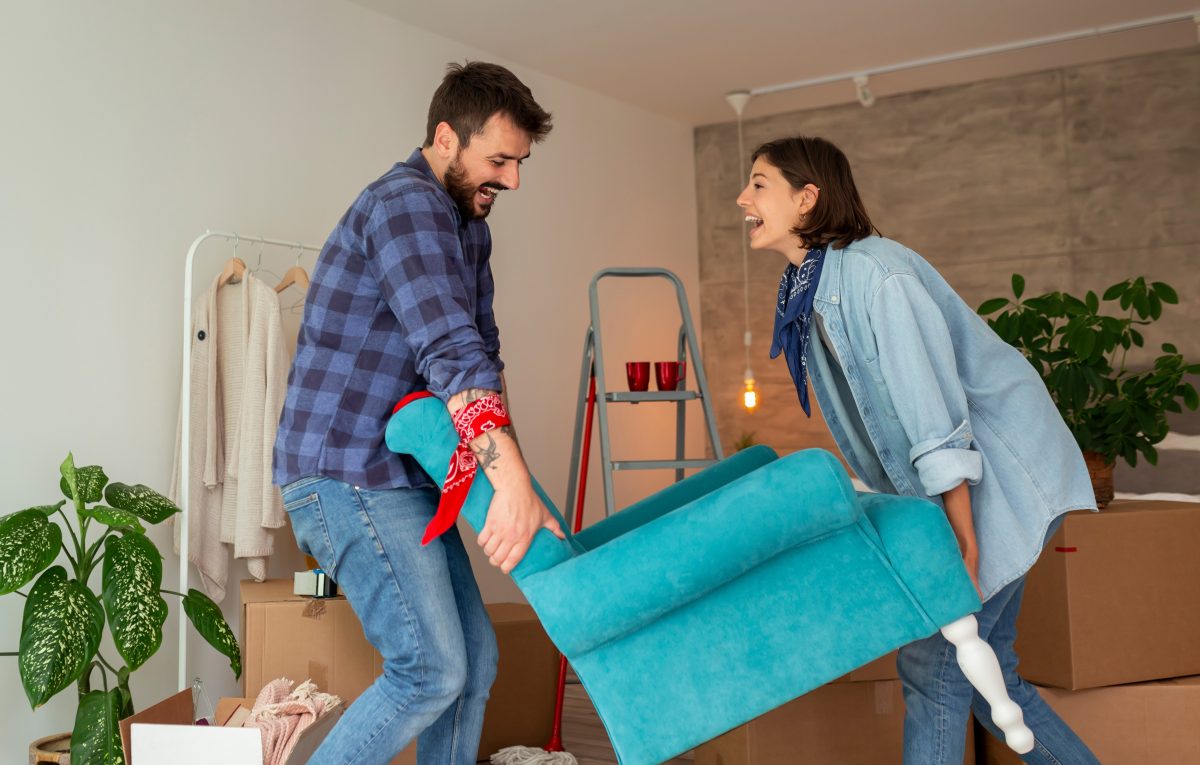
(638, 374)
(669, 374)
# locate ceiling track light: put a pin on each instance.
(866, 97)
(862, 92)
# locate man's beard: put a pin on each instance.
(463, 194)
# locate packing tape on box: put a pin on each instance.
(885, 691)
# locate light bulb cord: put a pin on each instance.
(745, 249)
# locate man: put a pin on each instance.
(401, 301)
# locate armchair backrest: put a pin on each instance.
(422, 428)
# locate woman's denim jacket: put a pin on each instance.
(921, 395)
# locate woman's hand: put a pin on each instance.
(970, 556)
(958, 511)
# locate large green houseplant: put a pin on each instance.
(63, 620)
(1080, 352)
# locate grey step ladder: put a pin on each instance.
(593, 366)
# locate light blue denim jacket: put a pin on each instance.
(921, 395)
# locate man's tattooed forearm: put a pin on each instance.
(509, 431)
(486, 455)
(474, 394)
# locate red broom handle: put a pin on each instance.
(556, 744)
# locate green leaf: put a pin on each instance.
(67, 470)
(1169, 348)
(206, 617)
(1093, 302)
(1190, 398)
(136, 611)
(1155, 306)
(1138, 340)
(49, 510)
(60, 633)
(142, 501)
(96, 738)
(1165, 292)
(90, 480)
(1141, 304)
(991, 306)
(1150, 453)
(29, 542)
(1115, 291)
(1018, 285)
(117, 519)
(1073, 305)
(1087, 343)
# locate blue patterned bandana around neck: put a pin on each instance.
(793, 318)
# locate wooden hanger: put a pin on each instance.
(235, 269)
(294, 275)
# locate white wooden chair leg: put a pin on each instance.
(982, 669)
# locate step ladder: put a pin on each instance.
(593, 388)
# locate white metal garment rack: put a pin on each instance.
(185, 418)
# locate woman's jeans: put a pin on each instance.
(939, 701)
(421, 609)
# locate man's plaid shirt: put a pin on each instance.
(400, 300)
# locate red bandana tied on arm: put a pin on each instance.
(472, 421)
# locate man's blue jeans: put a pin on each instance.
(938, 699)
(420, 608)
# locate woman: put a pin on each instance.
(923, 399)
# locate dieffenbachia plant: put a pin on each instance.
(63, 621)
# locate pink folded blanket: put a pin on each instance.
(281, 714)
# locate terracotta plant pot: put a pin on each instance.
(1100, 468)
(51, 749)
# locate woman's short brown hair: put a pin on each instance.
(471, 93)
(839, 216)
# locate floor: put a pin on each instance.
(584, 736)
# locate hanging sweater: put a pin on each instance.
(238, 380)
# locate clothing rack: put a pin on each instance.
(185, 404)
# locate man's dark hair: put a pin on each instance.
(472, 92)
(839, 215)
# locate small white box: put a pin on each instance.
(313, 584)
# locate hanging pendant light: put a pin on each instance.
(738, 100)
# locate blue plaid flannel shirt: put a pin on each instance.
(400, 300)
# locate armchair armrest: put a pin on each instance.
(918, 541)
(421, 428)
(680, 556)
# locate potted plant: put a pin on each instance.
(63, 620)
(1080, 352)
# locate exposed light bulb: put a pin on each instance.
(750, 396)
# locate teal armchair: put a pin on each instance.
(733, 591)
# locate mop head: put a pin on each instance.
(528, 755)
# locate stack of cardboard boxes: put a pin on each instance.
(288, 635)
(857, 719)
(1109, 632)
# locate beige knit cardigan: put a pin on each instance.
(239, 378)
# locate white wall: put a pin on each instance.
(130, 127)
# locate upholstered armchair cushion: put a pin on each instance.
(686, 553)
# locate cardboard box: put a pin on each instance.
(1114, 598)
(847, 723)
(165, 733)
(1134, 724)
(286, 635)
